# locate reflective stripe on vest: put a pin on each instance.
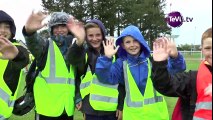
(6, 98)
(54, 87)
(197, 118)
(96, 82)
(204, 105)
(203, 108)
(104, 98)
(85, 81)
(147, 101)
(3, 118)
(84, 85)
(52, 79)
(138, 106)
(99, 99)
(7, 101)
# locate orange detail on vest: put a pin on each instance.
(203, 108)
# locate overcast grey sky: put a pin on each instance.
(19, 10)
(200, 11)
(189, 32)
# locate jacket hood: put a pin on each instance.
(134, 32)
(101, 25)
(57, 18)
(4, 17)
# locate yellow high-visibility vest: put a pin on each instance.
(103, 97)
(150, 106)
(54, 87)
(7, 100)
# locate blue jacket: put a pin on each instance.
(112, 73)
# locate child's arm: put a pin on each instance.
(176, 65)
(107, 71)
(175, 85)
(76, 51)
(16, 54)
(35, 43)
(22, 59)
(176, 62)
(8, 51)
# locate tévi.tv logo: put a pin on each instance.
(175, 19)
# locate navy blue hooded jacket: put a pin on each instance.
(4, 17)
(112, 73)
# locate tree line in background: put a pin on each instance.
(189, 47)
(147, 15)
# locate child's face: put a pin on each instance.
(94, 37)
(131, 46)
(5, 30)
(60, 30)
(207, 50)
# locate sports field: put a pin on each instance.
(192, 62)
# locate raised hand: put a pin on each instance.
(7, 50)
(109, 48)
(34, 21)
(77, 28)
(171, 48)
(160, 52)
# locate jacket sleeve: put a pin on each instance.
(35, 44)
(121, 96)
(177, 85)
(22, 59)
(176, 65)
(76, 54)
(109, 72)
(77, 85)
(76, 57)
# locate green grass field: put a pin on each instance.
(192, 64)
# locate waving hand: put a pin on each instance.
(160, 52)
(7, 49)
(109, 48)
(77, 28)
(34, 21)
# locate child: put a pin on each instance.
(194, 88)
(133, 69)
(13, 58)
(96, 100)
(54, 86)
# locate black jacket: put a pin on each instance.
(182, 85)
(14, 67)
(76, 56)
